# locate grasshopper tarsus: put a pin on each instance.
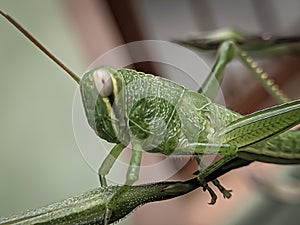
(226, 193)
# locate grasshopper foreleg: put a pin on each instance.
(135, 162)
(108, 163)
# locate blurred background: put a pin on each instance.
(39, 160)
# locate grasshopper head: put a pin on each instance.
(99, 89)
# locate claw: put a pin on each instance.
(212, 194)
(226, 193)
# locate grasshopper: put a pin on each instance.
(187, 132)
(122, 114)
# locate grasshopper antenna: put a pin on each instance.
(40, 46)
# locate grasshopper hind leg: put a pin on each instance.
(226, 193)
(203, 176)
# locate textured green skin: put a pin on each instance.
(189, 117)
(282, 149)
(90, 207)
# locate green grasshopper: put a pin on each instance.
(124, 115)
(118, 117)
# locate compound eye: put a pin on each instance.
(103, 82)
